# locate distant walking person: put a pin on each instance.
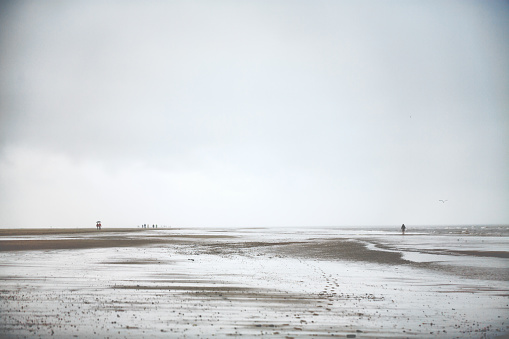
(98, 225)
(403, 228)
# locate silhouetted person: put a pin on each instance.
(403, 228)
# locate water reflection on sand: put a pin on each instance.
(280, 282)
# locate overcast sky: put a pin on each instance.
(253, 113)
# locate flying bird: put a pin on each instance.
(443, 201)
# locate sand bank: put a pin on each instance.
(9, 232)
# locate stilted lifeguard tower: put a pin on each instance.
(98, 225)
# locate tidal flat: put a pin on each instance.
(448, 282)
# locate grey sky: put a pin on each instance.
(253, 113)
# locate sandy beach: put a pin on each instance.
(282, 283)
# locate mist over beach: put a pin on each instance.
(288, 169)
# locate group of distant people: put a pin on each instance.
(148, 226)
(98, 225)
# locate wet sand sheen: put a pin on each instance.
(139, 283)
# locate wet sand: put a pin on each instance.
(137, 283)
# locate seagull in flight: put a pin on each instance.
(443, 201)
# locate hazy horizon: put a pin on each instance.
(410, 227)
(254, 113)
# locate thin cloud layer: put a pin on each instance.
(253, 113)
